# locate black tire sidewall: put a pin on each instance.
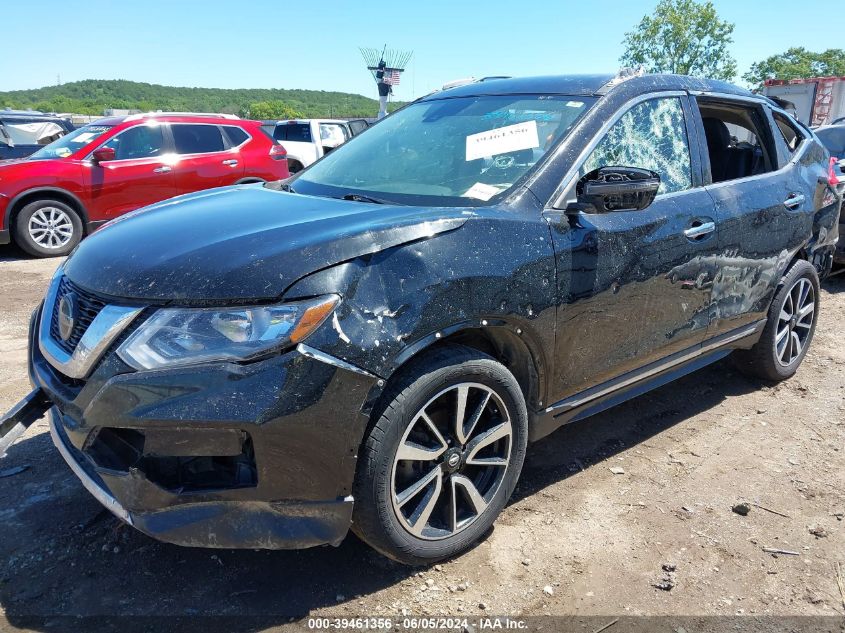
(25, 242)
(394, 540)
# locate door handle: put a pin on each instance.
(794, 200)
(696, 232)
(162, 170)
(231, 162)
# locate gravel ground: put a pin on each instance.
(658, 538)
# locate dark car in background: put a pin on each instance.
(833, 138)
(372, 343)
(53, 198)
(23, 132)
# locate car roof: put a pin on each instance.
(23, 114)
(287, 121)
(172, 118)
(590, 85)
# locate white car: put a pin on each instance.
(307, 140)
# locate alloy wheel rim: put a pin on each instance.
(451, 461)
(795, 322)
(50, 227)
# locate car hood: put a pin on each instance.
(243, 243)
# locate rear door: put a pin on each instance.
(141, 173)
(763, 206)
(204, 158)
(635, 285)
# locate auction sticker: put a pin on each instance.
(501, 140)
(481, 191)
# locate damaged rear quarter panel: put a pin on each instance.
(497, 268)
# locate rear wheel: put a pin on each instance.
(442, 459)
(47, 228)
(789, 328)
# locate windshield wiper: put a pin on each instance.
(357, 197)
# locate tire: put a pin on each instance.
(494, 405)
(47, 228)
(775, 356)
(294, 166)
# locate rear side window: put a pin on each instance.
(651, 135)
(293, 132)
(792, 136)
(358, 126)
(236, 135)
(739, 142)
(197, 139)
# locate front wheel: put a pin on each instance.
(789, 327)
(442, 459)
(47, 228)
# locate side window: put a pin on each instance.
(792, 136)
(197, 139)
(332, 134)
(738, 140)
(300, 132)
(141, 141)
(236, 135)
(651, 135)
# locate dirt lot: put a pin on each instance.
(576, 538)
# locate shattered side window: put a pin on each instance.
(651, 135)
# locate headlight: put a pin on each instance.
(182, 336)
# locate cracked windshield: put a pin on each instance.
(459, 151)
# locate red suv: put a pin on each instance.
(65, 190)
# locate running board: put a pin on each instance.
(634, 383)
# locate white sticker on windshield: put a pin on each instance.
(84, 137)
(480, 191)
(574, 104)
(501, 140)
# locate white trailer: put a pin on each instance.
(816, 100)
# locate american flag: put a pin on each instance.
(391, 77)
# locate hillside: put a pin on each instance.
(93, 96)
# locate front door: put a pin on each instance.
(635, 286)
(141, 173)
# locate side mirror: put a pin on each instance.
(103, 154)
(615, 189)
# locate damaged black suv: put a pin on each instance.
(372, 343)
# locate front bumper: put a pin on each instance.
(260, 455)
(226, 524)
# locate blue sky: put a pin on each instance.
(289, 44)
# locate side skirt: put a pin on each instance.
(639, 381)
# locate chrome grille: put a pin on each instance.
(88, 307)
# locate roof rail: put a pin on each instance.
(144, 115)
(625, 73)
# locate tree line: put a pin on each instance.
(93, 97)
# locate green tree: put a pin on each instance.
(797, 63)
(684, 37)
(271, 110)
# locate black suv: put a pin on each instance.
(372, 343)
(23, 132)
